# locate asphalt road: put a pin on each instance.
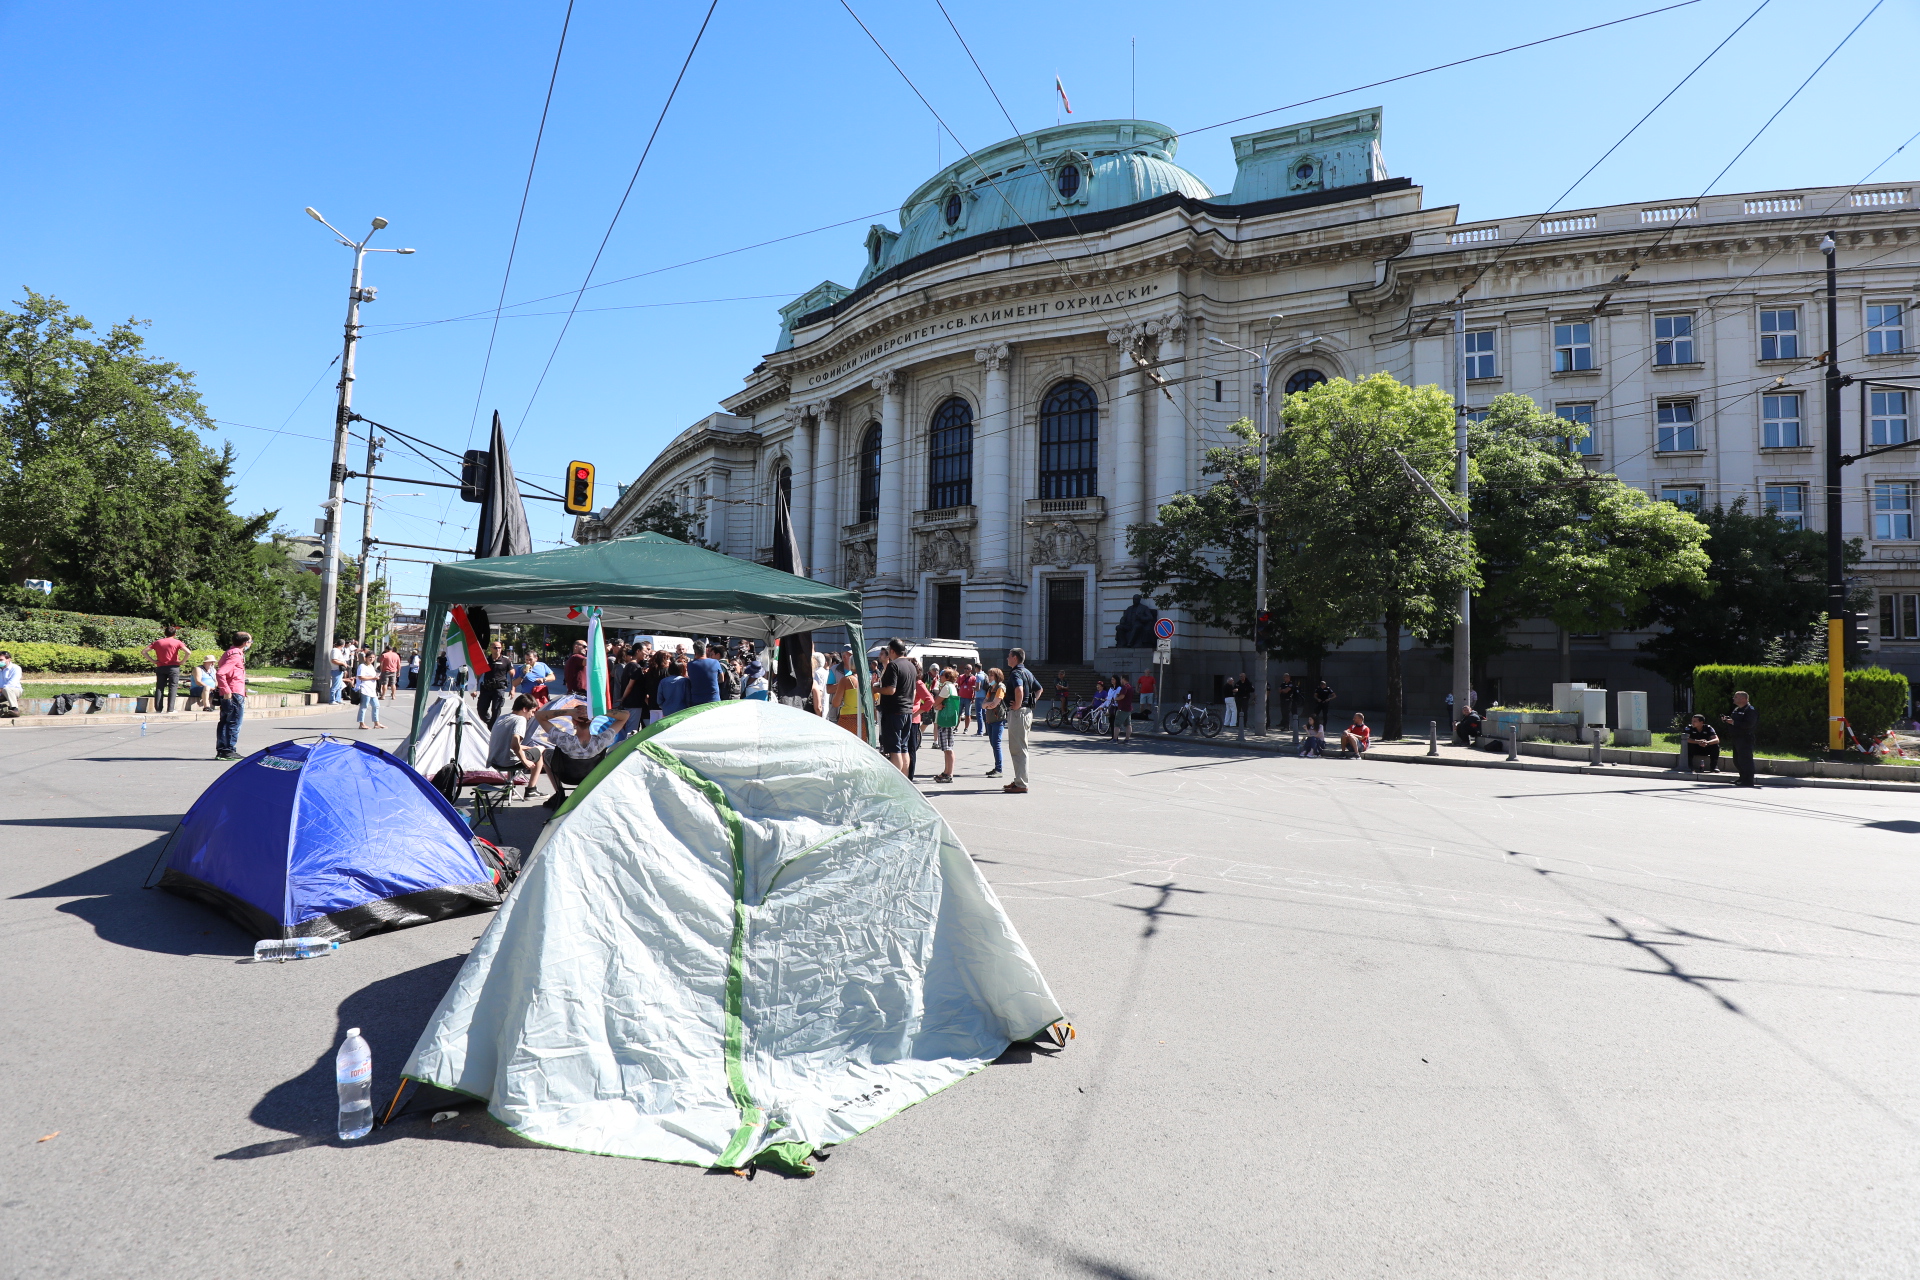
(1335, 1019)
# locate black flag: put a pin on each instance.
(503, 518)
(795, 671)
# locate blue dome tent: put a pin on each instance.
(329, 839)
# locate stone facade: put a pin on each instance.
(1030, 365)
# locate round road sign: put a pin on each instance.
(1163, 629)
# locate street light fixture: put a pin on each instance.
(337, 474)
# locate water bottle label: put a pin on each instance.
(354, 1075)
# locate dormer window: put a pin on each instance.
(953, 208)
(1068, 180)
(1304, 172)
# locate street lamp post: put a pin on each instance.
(1262, 357)
(337, 474)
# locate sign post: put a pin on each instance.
(1162, 656)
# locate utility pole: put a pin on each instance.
(1837, 617)
(337, 474)
(1261, 359)
(1463, 628)
(366, 537)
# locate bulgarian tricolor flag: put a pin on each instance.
(476, 647)
(1062, 91)
(596, 663)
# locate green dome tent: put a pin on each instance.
(745, 937)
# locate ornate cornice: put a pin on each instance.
(994, 356)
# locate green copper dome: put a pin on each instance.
(1060, 172)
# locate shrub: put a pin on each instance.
(129, 660)
(59, 657)
(97, 631)
(1793, 701)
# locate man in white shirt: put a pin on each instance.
(508, 751)
(342, 657)
(577, 740)
(9, 685)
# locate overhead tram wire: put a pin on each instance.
(614, 221)
(513, 248)
(401, 326)
(977, 67)
(1515, 243)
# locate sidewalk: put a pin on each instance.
(102, 719)
(1550, 757)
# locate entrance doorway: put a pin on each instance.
(946, 611)
(1066, 620)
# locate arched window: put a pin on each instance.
(1068, 181)
(1304, 379)
(950, 460)
(1069, 441)
(870, 474)
(786, 486)
(953, 208)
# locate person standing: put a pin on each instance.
(918, 718)
(166, 652)
(703, 677)
(495, 685)
(389, 671)
(1743, 728)
(230, 680)
(1022, 690)
(576, 669)
(1146, 689)
(1243, 694)
(440, 671)
(1122, 714)
(413, 672)
(1323, 703)
(967, 684)
(1230, 700)
(994, 686)
(674, 692)
(341, 656)
(895, 689)
(1288, 692)
(367, 679)
(946, 719)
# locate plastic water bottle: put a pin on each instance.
(353, 1069)
(285, 949)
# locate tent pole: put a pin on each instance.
(431, 645)
(858, 635)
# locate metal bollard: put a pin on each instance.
(1433, 737)
(1685, 764)
(1596, 745)
(1513, 742)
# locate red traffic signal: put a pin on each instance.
(580, 488)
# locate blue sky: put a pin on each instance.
(159, 158)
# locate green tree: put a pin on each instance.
(1559, 541)
(1763, 599)
(663, 515)
(1199, 556)
(298, 592)
(1362, 538)
(106, 487)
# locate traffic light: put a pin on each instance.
(476, 469)
(1859, 636)
(580, 488)
(1262, 630)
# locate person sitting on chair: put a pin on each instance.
(579, 748)
(1466, 730)
(1702, 743)
(1355, 738)
(508, 751)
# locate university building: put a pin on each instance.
(1038, 357)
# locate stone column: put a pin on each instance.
(1171, 442)
(890, 546)
(1129, 463)
(993, 475)
(800, 450)
(824, 556)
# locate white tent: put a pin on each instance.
(746, 937)
(431, 745)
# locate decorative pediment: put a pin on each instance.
(860, 560)
(946, 551)
(1064, 544)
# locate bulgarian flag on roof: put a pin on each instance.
(1062, 91)
(476, 650)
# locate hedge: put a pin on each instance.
(95, 631)
(1792, 701)
(60, 657)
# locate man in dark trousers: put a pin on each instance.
(1323, 702)
(1743, 726)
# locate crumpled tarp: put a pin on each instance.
(745, 931)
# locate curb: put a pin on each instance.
(161, 719)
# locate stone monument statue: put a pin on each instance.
(1136, 626)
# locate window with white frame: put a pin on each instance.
(1676, 426)
(1673, 339)
(1475, 415)
(1682, 495)
(1886, 329)
(1886, 417)
(1900, 617)
(1789, 503)
(1476, 348)
(1780, 422)
(1893, 511)
(1582, 414)
(1780, 334)
(1572, 347)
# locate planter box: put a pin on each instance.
(1557, 726)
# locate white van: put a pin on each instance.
(947, 653)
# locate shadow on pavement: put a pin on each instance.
(1905, 826)
(390, 1014)
(101, 822)
(109, 897)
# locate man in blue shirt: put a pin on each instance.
(703, 677)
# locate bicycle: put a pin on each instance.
(1188, 716)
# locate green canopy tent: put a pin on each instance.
(648, 582)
